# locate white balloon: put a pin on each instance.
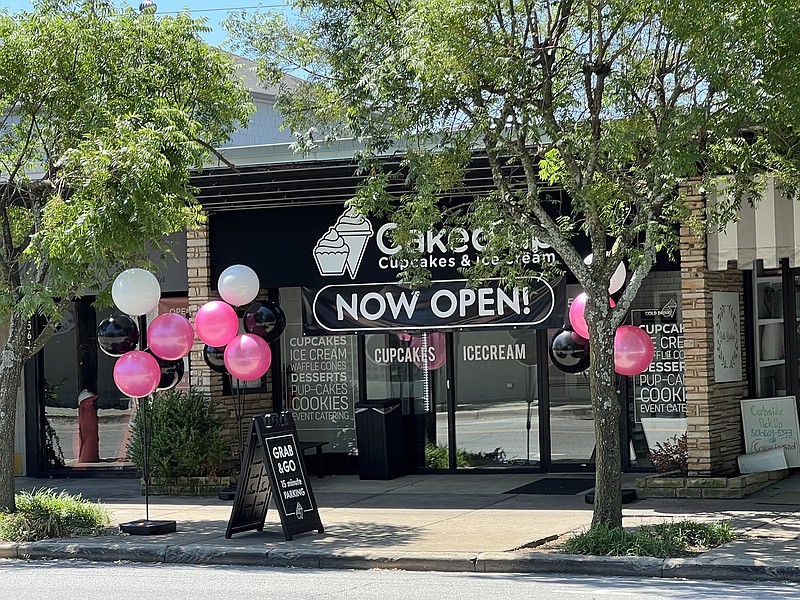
(238, 285)
(617, 279)
(136, 292)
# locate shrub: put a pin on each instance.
(43, 514)
(436, 457)
(663, 540)
(671, 455)
(184, 433)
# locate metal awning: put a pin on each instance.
(769, 230)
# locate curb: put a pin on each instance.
(462, 562)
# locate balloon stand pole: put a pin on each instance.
(146, 526)
(229, 493)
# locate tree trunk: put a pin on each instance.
(10, 377)
(605, 404)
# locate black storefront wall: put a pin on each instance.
(347, 269)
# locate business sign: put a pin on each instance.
(335, 245)
(448, 304)
(660, 390)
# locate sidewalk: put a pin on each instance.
(433, 522)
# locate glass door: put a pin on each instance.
(770, 349)
(497, 400)
(412, 368)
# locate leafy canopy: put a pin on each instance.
(615, 102)
(106, 111)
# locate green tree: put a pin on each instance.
(614, 102)
(104, 113)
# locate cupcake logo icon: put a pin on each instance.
(343, 245)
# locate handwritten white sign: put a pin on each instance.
(772, 423)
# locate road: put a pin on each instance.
(100, 581)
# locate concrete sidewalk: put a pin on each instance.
(461, 522)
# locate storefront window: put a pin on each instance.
(497, 401)
(320, 380)
(657, 409)
(88, 429)
(571, 417)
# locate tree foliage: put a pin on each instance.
(614, 102)
(104, 114)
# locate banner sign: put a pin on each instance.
(659, 391)
(449, 304)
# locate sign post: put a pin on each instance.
(273, 468)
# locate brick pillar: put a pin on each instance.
(712, 409)
(198, 264)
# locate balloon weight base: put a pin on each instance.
(145, 527)
(627, 496)
(227, 493)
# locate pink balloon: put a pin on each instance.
(577, 316)
(216, 323)
(434, 355)
(137, 374)
(247, 357)
(170, 336)
(633, 350)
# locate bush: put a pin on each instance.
(43, 514)
(436, 457)
(671, 455)
(663, 540)
(184, 433)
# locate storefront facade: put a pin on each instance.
(470, 366)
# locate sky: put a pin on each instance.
(214, 12)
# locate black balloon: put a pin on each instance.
(117, 335)
(569, 351)
(265, 319)
(171, 372)
(214, 358)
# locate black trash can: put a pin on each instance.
(379, 434)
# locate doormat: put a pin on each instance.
(555, 486)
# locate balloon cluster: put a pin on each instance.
(569, 347)
(245, 356)
(170, 336)
(139, 373)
